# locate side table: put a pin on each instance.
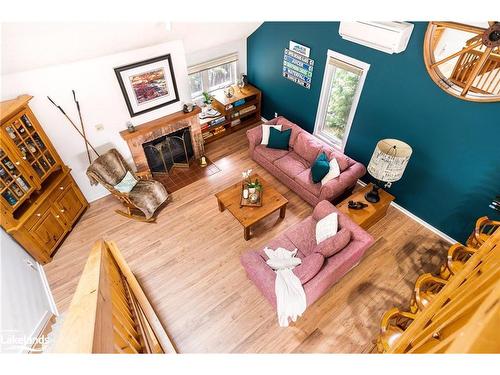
(369, 215)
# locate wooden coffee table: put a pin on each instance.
(272, 201)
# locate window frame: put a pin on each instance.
(325, 96)
(204, 67)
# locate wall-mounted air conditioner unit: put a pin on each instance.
(389, 37)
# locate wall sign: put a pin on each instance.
(299, 48)
(297, 67)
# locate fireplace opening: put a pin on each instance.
(171, 150)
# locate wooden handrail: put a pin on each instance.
(110, 313)
(464, 316)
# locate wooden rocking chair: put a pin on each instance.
(145, 198)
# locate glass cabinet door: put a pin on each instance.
(26, 139)
(15, 186)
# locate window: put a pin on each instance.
(342, 84)
(213, 75)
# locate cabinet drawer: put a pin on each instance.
(61, 187)
(39, 212)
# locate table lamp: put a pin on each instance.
(387, 164)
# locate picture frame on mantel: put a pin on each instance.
(148, 85)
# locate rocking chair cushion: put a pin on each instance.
(110, 170)
(126, 184)
(147, 196)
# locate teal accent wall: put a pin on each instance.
(454, 172)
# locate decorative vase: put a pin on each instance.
(245, 193)
(251, 190)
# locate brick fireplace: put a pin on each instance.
(160, 127)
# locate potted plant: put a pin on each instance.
(254, 186)
(207, 98)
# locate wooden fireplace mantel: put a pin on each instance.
(158, 123)
(163, 126)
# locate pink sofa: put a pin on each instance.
(322, 265)
(293, 167)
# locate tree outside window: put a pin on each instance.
(342, 84)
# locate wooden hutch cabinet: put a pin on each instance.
(40, 201)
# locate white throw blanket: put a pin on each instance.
(290, 295)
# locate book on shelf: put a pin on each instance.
(217, 121)
(250, 108)
(214, 132)
(239, 102)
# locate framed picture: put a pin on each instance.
(148, 85)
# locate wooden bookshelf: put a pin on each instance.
(239, 111)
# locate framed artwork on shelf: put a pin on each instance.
(148, 85)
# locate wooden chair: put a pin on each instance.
(394, 323)
(458, 255)
(483, 230)
(427, 287)
(145, 198)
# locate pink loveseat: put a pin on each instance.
(322, 265)
(293, 167)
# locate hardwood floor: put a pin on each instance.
(188, 264)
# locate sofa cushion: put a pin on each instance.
(266, 132)
(302, 236)
(270, 154)
(304, 179)
(334, 244)
(281, 241)
(291, 164)
(333, 171)
(279, 139)
(323, 209)
(327, 227)
(320, 168)
(309, 267)
(286, 124)
(343, 161)
(307, 147)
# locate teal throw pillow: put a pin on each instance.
(320, 168)
(279, 139)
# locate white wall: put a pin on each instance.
(101, 101)
(208, 54)
(25, 300)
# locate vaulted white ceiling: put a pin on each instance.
(27, 46)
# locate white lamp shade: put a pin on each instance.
(389, 160)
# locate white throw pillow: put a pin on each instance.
(266, 129)
(333, 172)
(126, 184)
(326, 227)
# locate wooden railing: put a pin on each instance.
(487, 80)
(109, 312)
(463, 317)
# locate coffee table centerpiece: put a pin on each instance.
(251, 191)
(231, 199)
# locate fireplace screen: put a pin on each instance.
(172, 150)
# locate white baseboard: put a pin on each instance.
(444, 236)
(48, 292)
